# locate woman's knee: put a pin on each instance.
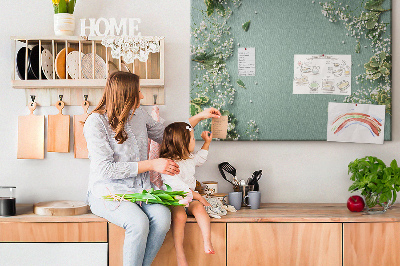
(139, 223)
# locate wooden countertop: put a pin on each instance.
(269, 212)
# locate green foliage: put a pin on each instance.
(246, 25)
(214, 4)
(164, 197)
(383, 97)
(376, 181)
(195, 104)
(241, 84)
(64, 6)
(209, 60)
(378, 66)
(374, 5)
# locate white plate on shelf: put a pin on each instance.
(73, 64)
(100, 68)
(47, 63)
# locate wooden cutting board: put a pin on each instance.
(31, 135)
(61, 63)
(80, 149)
(60, 208)
(58, 131)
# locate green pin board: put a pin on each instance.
(264, 106)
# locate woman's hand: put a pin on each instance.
(165, 166)
(206, 136)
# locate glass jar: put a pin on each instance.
(7, 201)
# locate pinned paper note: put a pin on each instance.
(322, 74)
(247, 61)
(219, 127)
(351, 122)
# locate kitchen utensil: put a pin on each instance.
(80, 149)
(245, 190)
(47, 63)
(73, 64)
(235, 199)
(31, 135)
(61, 63)
(36, 53)
(99, 67)
(7, 201)
(253, 198)
(225, 166)
(20, 60)
(58, 131)
(254, 179)
(60, 208)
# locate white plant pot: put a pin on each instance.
(64, 24)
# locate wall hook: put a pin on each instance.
(60, 97)
(33, 98)
(155, 98)
(85, 97)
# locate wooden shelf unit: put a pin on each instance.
(46, 91)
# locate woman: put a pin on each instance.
(116, 133)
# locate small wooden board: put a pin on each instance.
(80, 149)
(58, 131)
(31, 135)
(60, 208)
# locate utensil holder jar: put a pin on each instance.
(7, 201)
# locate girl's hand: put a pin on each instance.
(210, 113)
(165, 166)
(205, 203)
(206, 136)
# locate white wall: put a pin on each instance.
(294, 171)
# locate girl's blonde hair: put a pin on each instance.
(175, 144)
(121, 95)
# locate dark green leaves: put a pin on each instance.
(212, 5)
(375, 181)
(241, 84)
(246, 25)
(374, 5)
(195, 104)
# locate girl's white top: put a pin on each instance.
(185, 180)
(113, 166)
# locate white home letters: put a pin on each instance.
(111, 28)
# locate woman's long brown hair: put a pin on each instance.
(121, 95)
(175, 144)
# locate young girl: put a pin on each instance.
(178, 144)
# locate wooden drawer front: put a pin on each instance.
(53, 232)
(284, 244)
(371, 244)
(193, 244)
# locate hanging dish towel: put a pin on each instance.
(154, 150)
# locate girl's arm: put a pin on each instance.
(208, 113)
(198, 197)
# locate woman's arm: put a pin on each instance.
(198, 197)
(207, 113)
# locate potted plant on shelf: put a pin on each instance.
(377, 182)
(64, 22)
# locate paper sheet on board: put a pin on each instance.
(322, 74)
(361, 123)
(247, 61)
(219, 127)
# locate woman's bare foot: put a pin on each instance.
(209, 249)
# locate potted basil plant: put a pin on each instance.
(377, 182)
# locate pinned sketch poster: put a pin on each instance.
(322, 74)
(247, 61)
(361, 123)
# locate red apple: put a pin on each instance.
(355, 204)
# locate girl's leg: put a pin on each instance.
(203, 220)
(178, 229)
(160, 221)
(129, 216)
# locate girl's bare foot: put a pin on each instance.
(209, 249)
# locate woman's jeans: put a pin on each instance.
(145, 227)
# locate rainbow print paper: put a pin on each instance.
(361, 123)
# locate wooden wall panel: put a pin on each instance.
(53, 232)
(371, 244)
(166, 256)
(284, 244)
